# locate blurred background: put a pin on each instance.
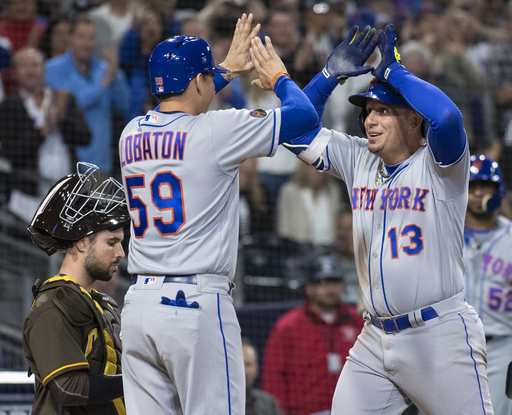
(74, 72)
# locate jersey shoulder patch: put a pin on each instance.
(259, 113)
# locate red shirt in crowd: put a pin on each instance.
(304, 357)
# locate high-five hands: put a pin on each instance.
(349, 57)
(268, 65)
(237, 60)
(390, 55)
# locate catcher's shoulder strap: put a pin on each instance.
(70, 298)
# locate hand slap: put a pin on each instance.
(237, 60)
(267, 63)
(389, 52)
(350, 55)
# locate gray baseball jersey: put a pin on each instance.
(488, 262)
(181, 180)
(407, 228)
(181, 176)
(408, 244)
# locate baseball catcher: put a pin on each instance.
(72, 334)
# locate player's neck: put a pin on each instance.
(75, 270)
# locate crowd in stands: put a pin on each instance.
(74, 72)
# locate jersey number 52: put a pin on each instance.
(166, 193)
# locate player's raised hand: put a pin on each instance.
(267, 63)
(388, 51)
(349, 57)
(237, 60)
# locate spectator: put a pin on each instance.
(134, 56)
(488, 266)
(233, 95)
(307, 207)
(325, 22)
(344, 252)
(256, 205)
(98, 86)
(308, 346)
(295, 50)
(5, 60)
(257, 402)
(56, 39)
(40, 127)
(500, 79)
(23, 28)
(112, 20)
(273, 171)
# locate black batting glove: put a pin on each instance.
(390, 57)
(349, 57)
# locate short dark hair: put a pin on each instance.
(82, 18)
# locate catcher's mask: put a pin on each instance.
(383, 92)
(77, 206)
(485, 169)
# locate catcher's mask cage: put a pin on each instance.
(77, 206)
(485, 169)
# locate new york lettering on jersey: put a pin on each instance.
(391, 198)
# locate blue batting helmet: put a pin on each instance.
(175, 61)
(486, 169)
(379, 91)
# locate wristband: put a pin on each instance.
(276, 76)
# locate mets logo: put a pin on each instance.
(149, 280)
(259, 113)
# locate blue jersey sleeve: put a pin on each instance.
(446, 136)
(318, 90)
(298, 116)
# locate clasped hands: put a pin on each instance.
(349, 57)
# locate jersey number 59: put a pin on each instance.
(170, 202)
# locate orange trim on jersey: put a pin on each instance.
(136, 208)
(170, 208)
(65, 367)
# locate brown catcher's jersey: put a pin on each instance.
(69, 329)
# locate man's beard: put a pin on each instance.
(479, 215)
(97, 271)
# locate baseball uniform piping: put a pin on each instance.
(273, 135)
(225, 354)
(474, 363)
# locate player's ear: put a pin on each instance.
(415, 120)
(81, 244)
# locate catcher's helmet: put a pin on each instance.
(76, 206)
(486, 169)
(175, 61)
(379, 91)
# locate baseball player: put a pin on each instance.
(488, 271)
(181, 338)
(422, 343)
(71, 336)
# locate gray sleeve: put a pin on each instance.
(240, 134)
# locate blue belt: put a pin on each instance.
(181, 279)
(396, 324)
